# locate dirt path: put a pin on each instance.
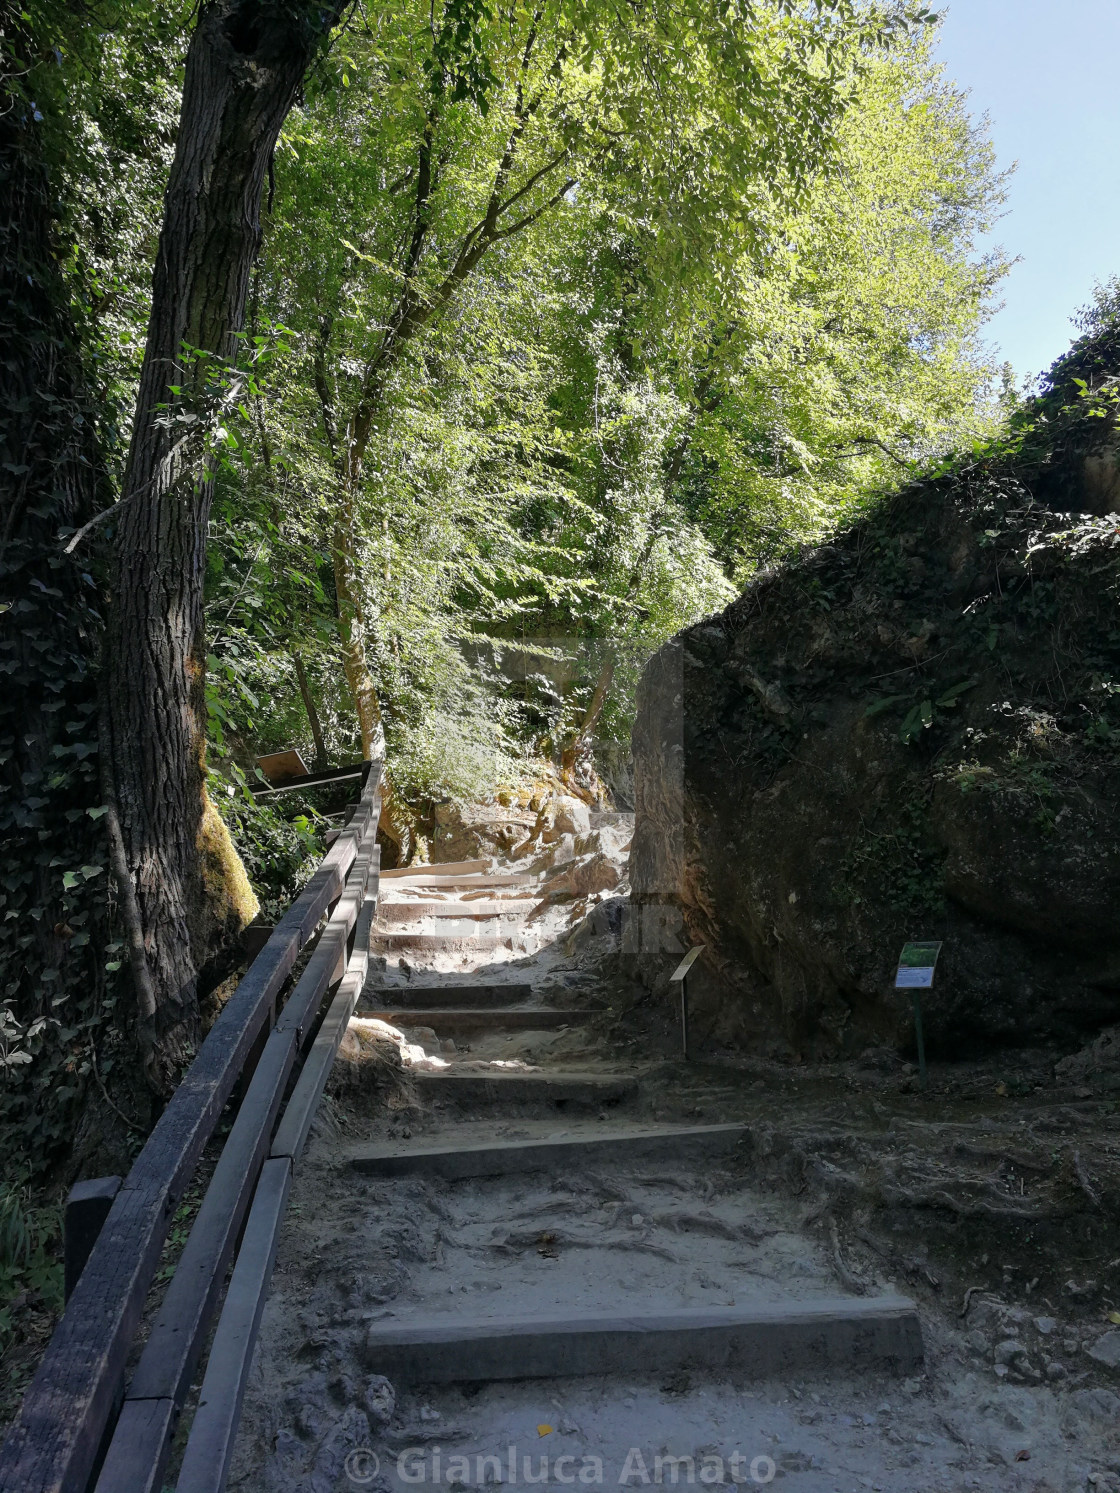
(492, 1029)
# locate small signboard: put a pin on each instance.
(916, 964)
(282, 767)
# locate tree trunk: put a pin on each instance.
(579, 746)
(351, 627)
(245, 63)
(312, 713)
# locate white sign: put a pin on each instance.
(913, 979)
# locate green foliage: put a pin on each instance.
(61, 996)
(921, 713)
(896, 866)
(699, 353)
(278, 845)
(30, 1254)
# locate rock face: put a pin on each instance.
(911, 732)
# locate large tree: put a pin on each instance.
(244, 67)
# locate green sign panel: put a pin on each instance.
(919, 955)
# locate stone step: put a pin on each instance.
(467, 995)
(559, 1153)
(473, 881)
(408, 912)
(449, 868)
(466, 1019)
(764, 1340)
(458, 941)
(550, 1087)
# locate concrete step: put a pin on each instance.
(408, 912)
(464, 1019)
(449, 868)
(548, 1087)
(857, 1333)
(560, 1153)
(470, 995)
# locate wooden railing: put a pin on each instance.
(79, 1428)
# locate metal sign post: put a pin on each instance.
(680, 976)
(916, 964)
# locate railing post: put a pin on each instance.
(87, 1208)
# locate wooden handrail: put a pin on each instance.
(142, 1438)
(54, 1444)
(213, 1431)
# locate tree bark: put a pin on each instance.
(312, 713)
(580, 742)
(244, 66)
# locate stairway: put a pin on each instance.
(554, 1254)
(505, 1055)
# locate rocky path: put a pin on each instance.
(515, 1255)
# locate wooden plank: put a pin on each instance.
(54, 1441)
(496, 1018)
(556, 1153)
(470, 881)
(142, 1425)
(464, 940)
(449, 868)
(300, 1008)
(464, 993)
(278, 767)
(214, 1429)
(174, 1344)
(762, 1338)
(291, 1136)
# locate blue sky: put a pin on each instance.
(1047, 72)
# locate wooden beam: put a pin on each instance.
(435, 873)
(294, 1128)
(214, 1429)
(87, 1208)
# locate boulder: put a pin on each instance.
(465, 832)
(585, 876)
(1097, 1064)
(911, 732)
(562, 815)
